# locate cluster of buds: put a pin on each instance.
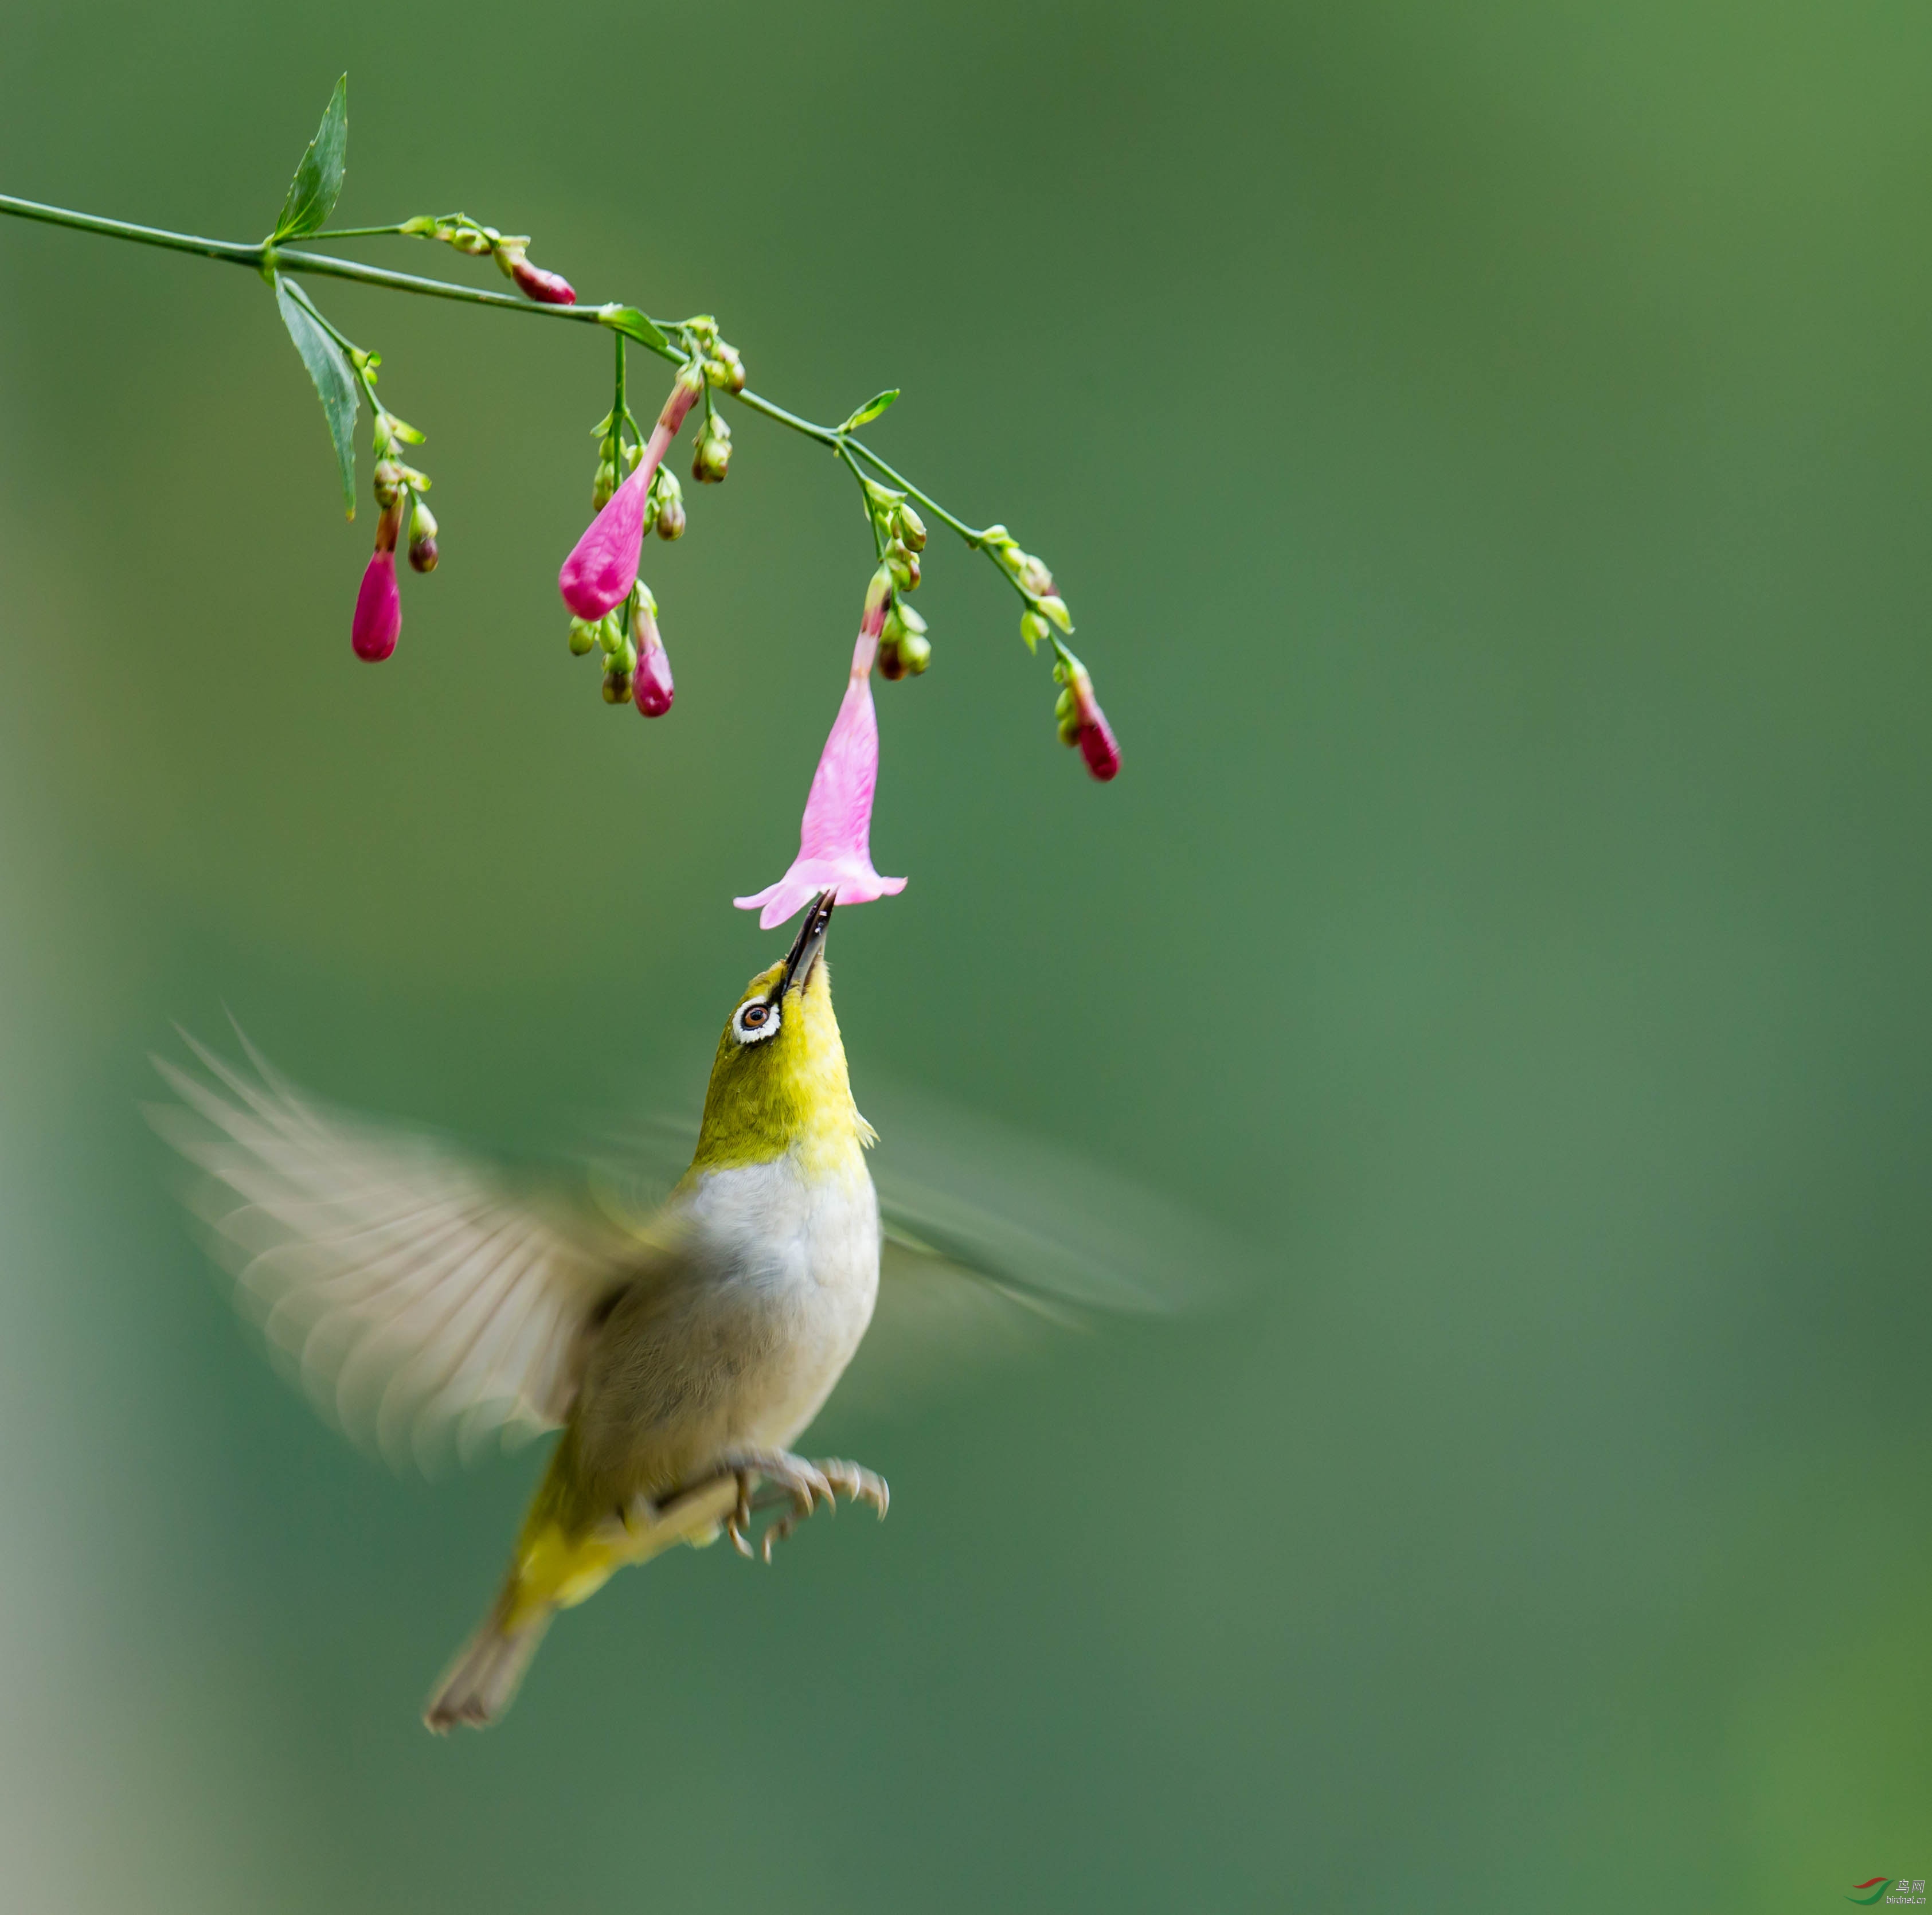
(904, 650)
(1081, 721)
(612, 454)
(1045, 609)
(510, 250)
(637, 668)
(711, 456)
(399, 487)
(716, 355)
(714, 363)
(665, 508)
(664, 502)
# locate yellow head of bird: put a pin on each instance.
(779, 1082)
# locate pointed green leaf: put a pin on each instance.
(317, 185)
(335, 382)
(870, 410)
(633, 325)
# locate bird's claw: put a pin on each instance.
(805, 1486)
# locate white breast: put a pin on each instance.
(795, 1258)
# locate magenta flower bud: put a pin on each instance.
(1097, 746)
(603, 565)
(1082, 723)
(650, 683)
(379, 608)
(547, 288)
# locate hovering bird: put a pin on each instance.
(683, 1352)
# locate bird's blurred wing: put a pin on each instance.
(423, 1303)
(995, 1240)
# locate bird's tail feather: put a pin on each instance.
(481, 1682)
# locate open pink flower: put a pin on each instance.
(834, 841)
(603, 565)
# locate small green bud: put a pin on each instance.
(905, 566)
(1033, 575)
(423, 226)
(423, 553)
(1033, 629)
(669, 497)
(388, 481)
(583, 636)
(915, 653)
(1055, 608)
(909, 619)
(892, 660)
(616, 688)
(712, 457)
(911, 528)
(605, 485)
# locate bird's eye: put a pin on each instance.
(753, 1022)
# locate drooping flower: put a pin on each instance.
(1082, 723)
(651, 685)
(834, 838)
(602, 566)
(378, 622)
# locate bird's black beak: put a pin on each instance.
(810, 941)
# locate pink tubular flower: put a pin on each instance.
(378, 604)
(602, 566)
(834, 841)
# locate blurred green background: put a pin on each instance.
(1487, 450)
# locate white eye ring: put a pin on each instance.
(748, 1030)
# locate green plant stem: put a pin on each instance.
(265, 257)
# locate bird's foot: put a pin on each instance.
(802, 1485)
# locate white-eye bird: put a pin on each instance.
(422, 1295)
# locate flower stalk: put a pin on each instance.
(634, 491)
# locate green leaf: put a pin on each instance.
(633, 325)
(870, 410)
(317, 185)
(335, 382)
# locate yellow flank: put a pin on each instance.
(556, 1570)
(790, 1092)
